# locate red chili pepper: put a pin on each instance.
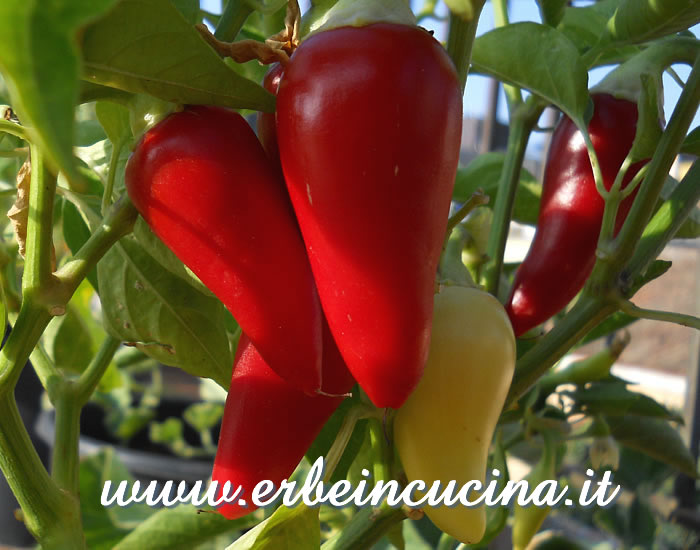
(369, 126)
(268, 425)
(202, 181)
(562, 253)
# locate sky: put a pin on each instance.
(475, 102)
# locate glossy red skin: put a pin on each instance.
(268, 425)
(266, 126)
(202, 181)
(562, 253)
(369, 126)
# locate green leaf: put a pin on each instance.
(654, 437)
(584, 26)
(147, 46)
(181, 528)
(690, 229)
(637, 21)
(165, 257)
(552, 11)
(114, 119)
(67, 341)
(295, 528)
(189, 9)
(161, 314)
(484, 172)
(106, 526)
(538, 58)
(642, 524)
(40, 62)
(614, 399)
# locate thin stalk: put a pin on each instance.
(666, 222)
(381, 450)
(500, 18)
(668, 316)
(113, 162)
(446, 542)
(14, 153)
(523, 121)
(335, 453)
(477, 199)
(49, 376)
(37, 269)
(92, 375)
(460, 40)
(235, 14)
(612, 204)
(64, 461)
(585, 315)
(118, 222)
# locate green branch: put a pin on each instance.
(668, 316)
(235, 14)
(460, 40)
(500, 15)
(523, 120)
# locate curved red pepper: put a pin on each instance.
(202, 181)
(269, 425)
(369, 126)
(562, 253)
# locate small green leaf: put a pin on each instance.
(538, 58)
(637, 21)
(106, 526)
(114, 119)
(654, 437)
(147, 46)
(181, 528)
(161, 314)
(40, 63)
(295, 528)
(484, 172)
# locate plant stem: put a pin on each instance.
(92, 375)
(666, 222)
(500, 16)
(523, 120)
(446, 542)
(37, 270)
(118, 222)
(232, 20)
(365, 528)
(460, 40)
(669, 316)
(380, 450)
(53, 517)
(335, 453)
(477, 199)
(64, 462)
(49, 376)
(585, 315)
